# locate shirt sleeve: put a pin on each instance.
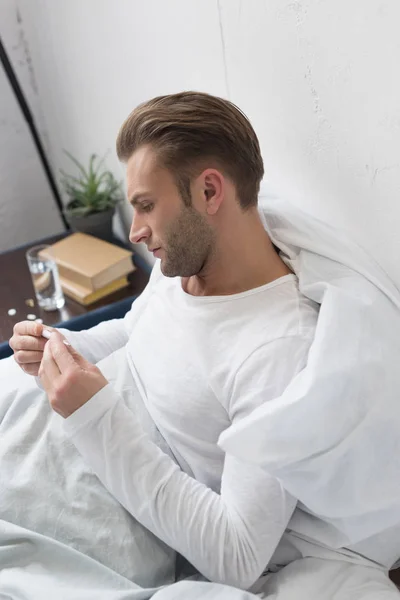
(229, 537)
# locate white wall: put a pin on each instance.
(319, 79)
(96, 60)
(27, 208)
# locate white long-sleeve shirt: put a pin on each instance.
(201, 364)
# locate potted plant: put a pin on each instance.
(93, 195)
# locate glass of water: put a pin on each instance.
(45, 278)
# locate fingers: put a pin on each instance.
(28, 345)
(48, 370)
(27, 342)
(31, 369)
(28, 328)
(23, 357)
(64, 356)
(78, 358)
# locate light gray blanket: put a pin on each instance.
(60, 529)
(62, 535)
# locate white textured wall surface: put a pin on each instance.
(318, 78)
(27, 208)
(96, 60)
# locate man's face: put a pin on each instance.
(177, 234)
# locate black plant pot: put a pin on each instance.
(97, 224)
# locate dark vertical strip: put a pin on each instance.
(32, 128)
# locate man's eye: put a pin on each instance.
(147, 207)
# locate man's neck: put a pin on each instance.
(244, 259)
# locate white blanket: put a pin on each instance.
(59, 526)
(333, 436)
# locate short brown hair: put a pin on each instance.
(190, 128)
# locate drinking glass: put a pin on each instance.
(44, 273)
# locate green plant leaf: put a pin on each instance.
(94, 190)
(77, 163)
(71, 179)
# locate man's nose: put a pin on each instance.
(139, 232)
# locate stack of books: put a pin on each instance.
(90, 268)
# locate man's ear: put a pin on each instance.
(213, 189)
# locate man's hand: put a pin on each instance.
(28, 345)
(68, 378)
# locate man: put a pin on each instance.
(220, 330)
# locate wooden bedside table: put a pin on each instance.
(16, 287)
